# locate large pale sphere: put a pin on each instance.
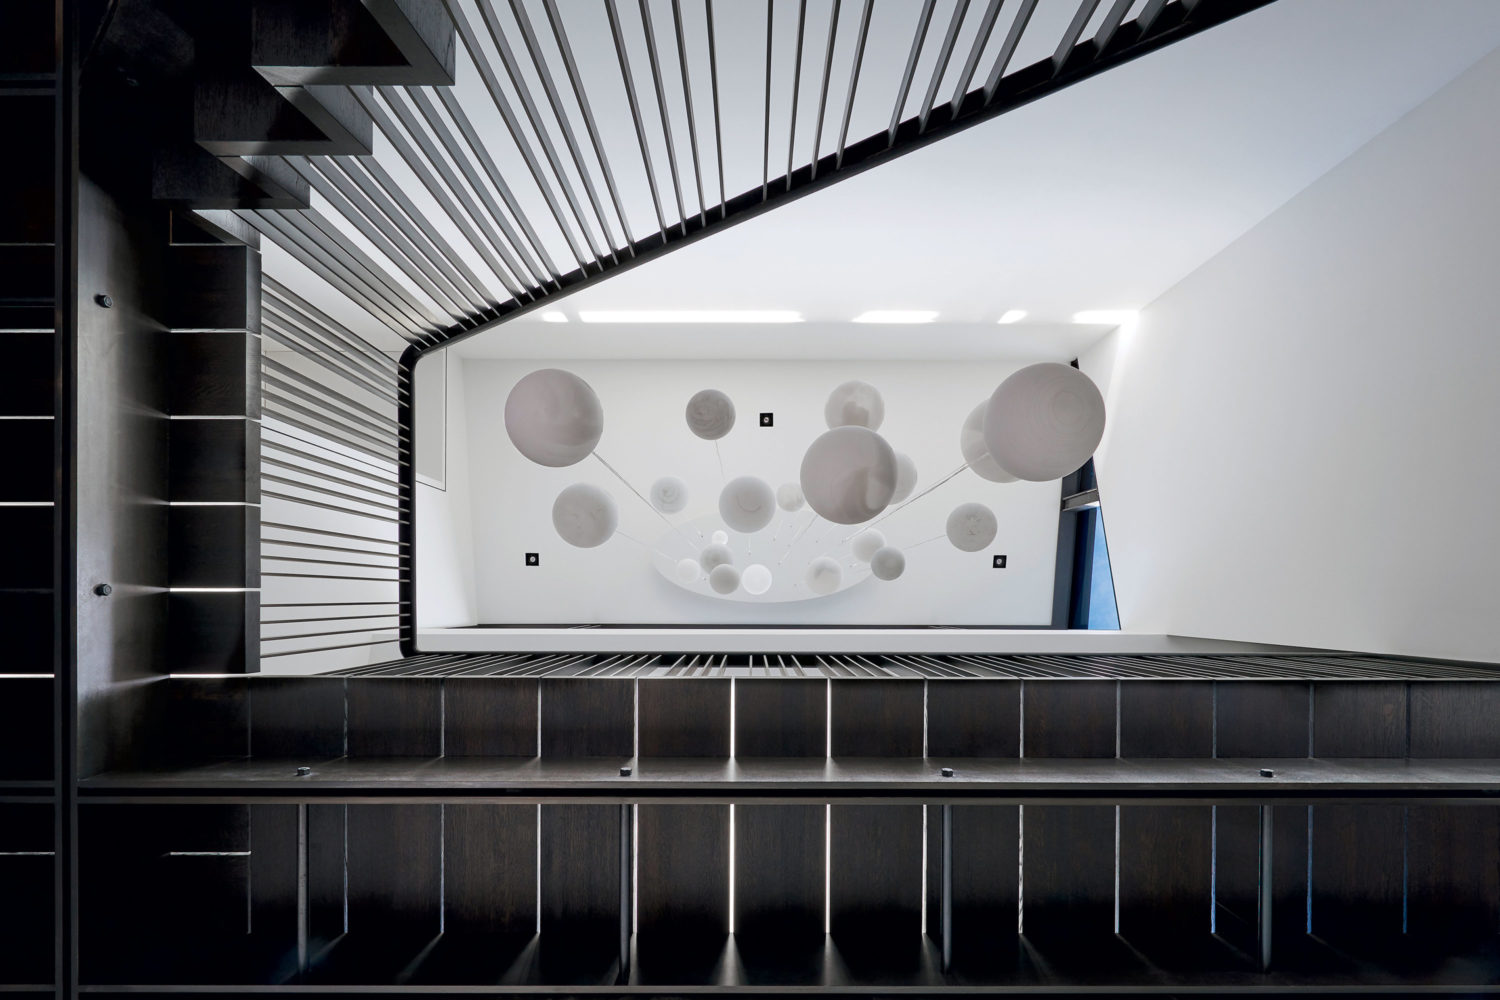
(756, 579)
(855, 404)
(747, 504)
(976, 452)
(867, 543)
(789, 497)
(554, 418)
(584, 515)
(1044, 421)
(710, 414)
(823, 575)
(724, 579)
(687, 570)
(719, 538)
(669, 494)
(849, 475)
(906, 477)
(888, 563)
(971, 526)
(715, 555)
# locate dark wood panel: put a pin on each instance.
(27, 446)
(215, 460)
(489, 869)
(327, 874)
(213, 287)
(395, 717)
(973, 718)
(215, 373)
(26, 211)
(1358, 862)
(588, 717)
(1455, 719)
(580, 870)
(26, 630)
(682, 872)
(1068, 870)
(986, 876)
(1166, 870)
(875, 872)
(395, 869)
(1262, 719)
(490, 716)
(778, 871)
(684, 718)
(26, 728)
(273, 877)
(780, 718)
(1068, 718)
(213, 633)
(26, 377)
(1237, 871)
(214, 546)
(28, 557)
(297, 717)
(200, 719)
(1166, 719)
(876, 718)
(1453, 888)
(1359, 719)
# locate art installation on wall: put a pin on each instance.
(1040, 424)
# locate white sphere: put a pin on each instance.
(687, 570)
(724, 579)
(849, 475)
(747, 504)
(584, 515)
(1044, 421)
(554, 418)
(669, 494)
(976, 452)
(756, 579)
(971, 526)
(789, 497)
(867, 543)
(855, 404)
(888, 563)
(715, 555)
(719, 538)
(710, 414)
(823, 575)
(906, 477)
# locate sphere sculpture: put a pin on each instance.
(789, 497)
(823, 575)
(849, 475)
(724, 579)
(906, 477)
(687, 570)
(1044, 421)
(867, 543)
(888, 563)
(855, 404)
(554, 418)
(713, 556)
(710, 414)
(976, 452)
(971, 527)
(756, 579)
(747, 504)
(669, 494)
(719, 538)
(584, 515)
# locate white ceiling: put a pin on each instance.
(1100, 197)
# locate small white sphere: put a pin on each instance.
(687, 570)
(855, 404)
(724, 579)
(584, 515)
(710, 414)
(789, 497)
(554, 418)
(715, 555)
(976, 452)
(747, 504)
(756, 579)
(823, 575)
(867, 543)
(719, 538)
(669, 494)
(906, 477)
(849, 475)
(1044, 421)
(971, 527)
(888, 563)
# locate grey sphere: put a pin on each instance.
(724, 579)
(849, 475)
(1044, 421)
(888, 563)
(823, 575)
(855, 404)
(714, 555)
(669, 494)
(971, 527)
(554, 418)
(747, 504)
(976, 452)
(584, 515)
(710, 414)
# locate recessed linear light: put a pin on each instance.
(1012, 316)
(897, 316)
(554, 316)
(1105, 317)
(689, 316)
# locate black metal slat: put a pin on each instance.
(859, 58)
(627, 76)
(661, 106)
(791, 143)
(976, 51)
(713, 81)
(687, 94)
(1008, 48)
(945, 53)
(310, 316)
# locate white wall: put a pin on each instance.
(1302, 443)
(445, 549)
(645, 437)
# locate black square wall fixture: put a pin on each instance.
(533, 559)
(767, 419)
(999, 562)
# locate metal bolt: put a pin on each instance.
(104, 590)
(625, 772)
(104, 300)
(947, 772)
(303, 772)
(1266, 772)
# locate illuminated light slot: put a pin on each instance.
(896, 316)
(554, 316)
(1012, 316)
(1106, 317)
(689, 316)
